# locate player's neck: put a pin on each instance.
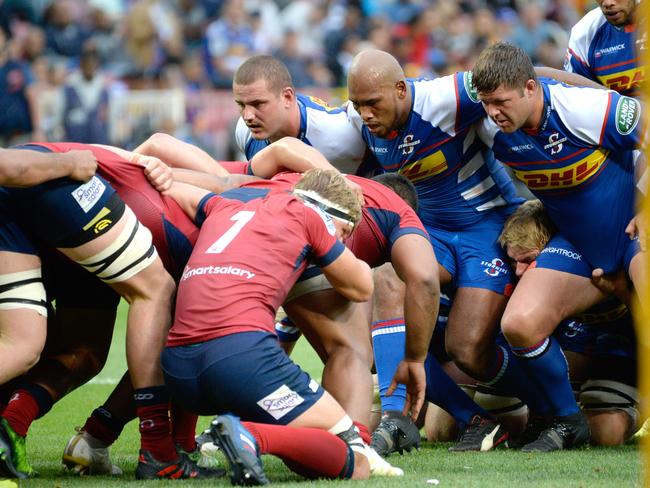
(535, 120)
(294, 121)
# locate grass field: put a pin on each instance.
(586, 468)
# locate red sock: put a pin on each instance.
(152, 406)
(310, 452)
(99, 425)
(364, 433)
(184, 428)
(21, 411)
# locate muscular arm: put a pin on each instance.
(213, 183)
(22, 168)
(287, 154)
(415, 263)
(350, 276)
(179, 154)
(187, 196)
(566, 77)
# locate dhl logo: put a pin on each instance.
(569, 176)
(624, 80)
(423, 168)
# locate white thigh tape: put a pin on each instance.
(23, 289)
(131, 252)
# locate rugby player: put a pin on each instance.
(572, 147)
(270, 110)
(222, 354)
(604, 47)
(80, 299)
(423, 130)
(599, 343)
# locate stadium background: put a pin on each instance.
(166, 65)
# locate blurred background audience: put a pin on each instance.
(115, 71)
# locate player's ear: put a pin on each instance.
(531, 87)
(288, 94)
(400, 87)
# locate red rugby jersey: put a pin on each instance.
(247, 257)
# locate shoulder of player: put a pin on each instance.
(573, 100)
(586, 29)
(316, 104)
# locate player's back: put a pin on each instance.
(247, 257)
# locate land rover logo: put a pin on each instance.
(628, 113)
(469, 87)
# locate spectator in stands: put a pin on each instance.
(18, 115)
(85, 114)
(229, 41)
(65, 37)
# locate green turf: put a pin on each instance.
(586, 468)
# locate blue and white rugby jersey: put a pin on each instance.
(580, 164)
(604, 53)
(322, 127)
(456, 176)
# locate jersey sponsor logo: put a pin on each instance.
(573, 328)
(623, 80)
(628, 113)
(427, 167)
(555, 143)
(216, 270)
(408, 145)
(322, 103)
(496, 267)
(472, 93)
(280, 402)
(562, 252)
(379, 150)
(88, 194)
(609, 50)
(520, 148)
(569, 176)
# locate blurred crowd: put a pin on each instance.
(60, 60)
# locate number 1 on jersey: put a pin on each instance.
(241, 218)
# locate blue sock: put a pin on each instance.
(510, 377)
(388, 342)
(546, 365)
(444, 392)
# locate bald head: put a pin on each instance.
(378, 91)
(377, 67)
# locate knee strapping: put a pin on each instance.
(131, 252)
(23, 289)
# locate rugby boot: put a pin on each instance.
(149, 468)
(86, 455)
(241, 450)
(13, 453)
(534, 427)
(481, 434)
(564, 433)
(395, 433)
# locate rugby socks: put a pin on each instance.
(444, 392)
(104, 426)
(509, 376)
(106, 422)
(152, 406)
(312, 453)
(388, 342)
(546, 364)
(183, 427)
(29, 402)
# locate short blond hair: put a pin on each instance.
(528, 228)
(332, 186)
